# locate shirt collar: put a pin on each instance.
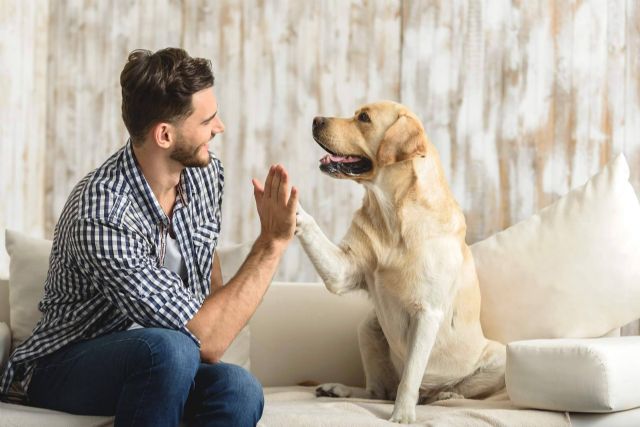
(136, 179)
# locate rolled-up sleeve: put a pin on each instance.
(119, 264)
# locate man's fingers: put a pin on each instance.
(258, 189)
(275, 183)
(257, 185)
(283, 189)
(268, 182)
(293, 200)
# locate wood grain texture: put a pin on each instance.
(274, 75)
(524, 99)
(23, 53)
(89, 43)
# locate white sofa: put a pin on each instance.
(303, 333)
(548, 284)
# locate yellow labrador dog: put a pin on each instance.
(406, 246)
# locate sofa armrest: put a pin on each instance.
(5, 345)
(302, 332)
(576, 375)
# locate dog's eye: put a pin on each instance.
(364, 117)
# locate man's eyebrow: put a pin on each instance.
(210, 118)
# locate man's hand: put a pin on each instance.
(276, 206)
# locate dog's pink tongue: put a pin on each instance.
(338, 159)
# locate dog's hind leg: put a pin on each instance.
(489, 377)
(380, 375)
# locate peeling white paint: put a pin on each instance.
(524, 100)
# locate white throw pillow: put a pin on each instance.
(577, 375)
(5, 345)
(572, 270)
(28, 266)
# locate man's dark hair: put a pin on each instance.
(157, 87)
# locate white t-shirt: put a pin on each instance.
(173, 261)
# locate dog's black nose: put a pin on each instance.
(318, 122)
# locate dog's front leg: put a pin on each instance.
(333, 264)
(423, 328)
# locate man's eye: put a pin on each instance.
(364, 117)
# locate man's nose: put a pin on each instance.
(318, 123)
(218, 127)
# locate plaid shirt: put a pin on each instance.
(106, 265)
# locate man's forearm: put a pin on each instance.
(225, 312)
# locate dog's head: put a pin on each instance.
(376, 136)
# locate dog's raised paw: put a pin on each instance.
(303, 220)
(333, 390)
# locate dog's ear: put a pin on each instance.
(403, 140)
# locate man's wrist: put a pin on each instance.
(270, 246)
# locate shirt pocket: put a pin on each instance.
(205, 239)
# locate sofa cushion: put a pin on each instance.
(5, 344)
(570, 270)
(578, 375)
(12, 415)
(4, 301)
(302, 332)
(28, 265)
(299, 407)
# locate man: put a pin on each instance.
(135, 317)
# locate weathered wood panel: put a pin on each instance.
(89, 43)
(524, 99)
(23, 53)
(274, 74)
(631, 129)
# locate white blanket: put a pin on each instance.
(298, 406)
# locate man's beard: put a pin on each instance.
(188, 157)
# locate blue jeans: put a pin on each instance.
(146, 377)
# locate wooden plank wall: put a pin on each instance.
(524, 99)
(23, 124)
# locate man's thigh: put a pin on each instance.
(88, 377)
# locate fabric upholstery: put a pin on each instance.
(28, 265)
(570, 270)
(579, 375)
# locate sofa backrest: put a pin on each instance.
(302, 332)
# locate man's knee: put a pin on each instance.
(242, 383)
(168, 354)
(246, 386)
(241, 390)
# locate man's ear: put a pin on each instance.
(402, 141)
(162, 134)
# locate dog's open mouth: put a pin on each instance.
(346, 164)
